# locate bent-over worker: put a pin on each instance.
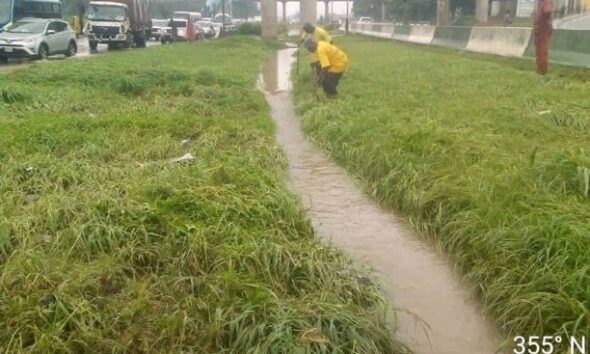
(333, 63)
(318, 34)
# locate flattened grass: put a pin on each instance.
(108, 246)
(489, 159)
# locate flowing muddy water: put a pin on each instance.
(419, 281)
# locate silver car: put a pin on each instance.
(37, 39)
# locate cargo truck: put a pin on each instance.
(118, 23)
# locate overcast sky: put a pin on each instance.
(337, 7)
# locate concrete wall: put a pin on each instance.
(402, 32)
(570, 47)
(507, 41)
(567, 47)
(422, 34)
(453, 37)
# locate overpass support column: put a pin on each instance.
(326, 11)
(284, 11)
(383, 12)
(308, 12)
(268, 14)
(482, 10)
(442, 12)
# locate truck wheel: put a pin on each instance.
(128, 41)
(111, 46)
(93, 45)
(140, 42)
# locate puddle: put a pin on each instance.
(419, 281)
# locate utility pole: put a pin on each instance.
(222, 16)
(347, 18)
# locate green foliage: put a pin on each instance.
(244, 9)
(106, 246)
(484, 156)
(250, 28)
(417, 10)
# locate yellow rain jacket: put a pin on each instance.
(331, 57)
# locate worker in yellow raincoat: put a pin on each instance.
(76, 25)
(333, 63)
(319, 35)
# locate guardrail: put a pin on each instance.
(570, 47)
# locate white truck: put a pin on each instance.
(118, 23)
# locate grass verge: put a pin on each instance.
(106, 245)
(488, 159)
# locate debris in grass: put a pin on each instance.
(47, 300)
(91, 115)
(543, 112)
(184, 158)
(47, 238)
(30, 198)
(185, 142)
(363, 280)
(314, 335)
(584, 174)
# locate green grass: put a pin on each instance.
(485, 157)
(106, 246)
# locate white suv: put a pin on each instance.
(38, 39)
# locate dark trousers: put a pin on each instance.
(330, 82)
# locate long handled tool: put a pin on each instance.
(298, 50)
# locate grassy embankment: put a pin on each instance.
(489, 159)
(108, 246)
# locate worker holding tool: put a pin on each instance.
(543, 29)
(315, 32)
(318, 34)
(333, 63)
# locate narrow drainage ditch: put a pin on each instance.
(418, 281)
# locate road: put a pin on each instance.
(83, 52)
(578, 22)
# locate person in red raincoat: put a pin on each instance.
(190, 29)
(543, 29)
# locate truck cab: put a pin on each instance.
(117, 23)
(108, 22)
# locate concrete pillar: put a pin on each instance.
(482, 10)
(268, 14)
(383, 12)
(326, 11)
(284, 11)
(442, 13)
(307, 11)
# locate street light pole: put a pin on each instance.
(347, 20)
(222, 16)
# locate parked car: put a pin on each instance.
(186, 15)
(227, 25)
(157, 25)
(166, 33)
(37, 38)
(365, 20)
(208, 29)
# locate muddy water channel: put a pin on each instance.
(419, 281)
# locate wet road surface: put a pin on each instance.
(83, 52)
(418, 280)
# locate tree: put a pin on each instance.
(400, 10)
(244, 9)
